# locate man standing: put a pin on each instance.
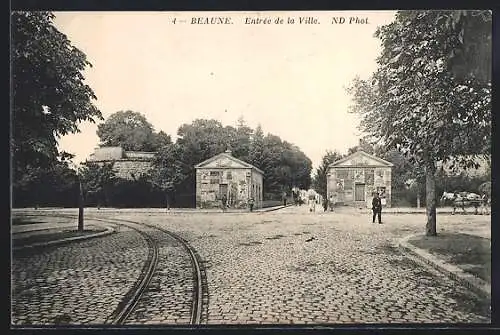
(312, 202)
(283, 196)
(325, 204)
(250, 204)
(377, 208)
(224, 202)
(332, 202)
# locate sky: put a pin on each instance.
(288, 77)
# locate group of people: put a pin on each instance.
(224, 206)
(329, 203)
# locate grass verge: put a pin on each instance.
(470, 253)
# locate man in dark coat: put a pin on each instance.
(224, 202)
(376, 208)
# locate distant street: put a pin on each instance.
(288, 266)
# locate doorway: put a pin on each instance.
(222, 190)
(359, 192)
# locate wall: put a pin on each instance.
(257, 188)
(128, 168)
(107, 154)
(239, 183)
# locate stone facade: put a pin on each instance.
(353, 180)
(127, 164)
(225, 174)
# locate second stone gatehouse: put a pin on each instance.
(354, 179)
(224, 174)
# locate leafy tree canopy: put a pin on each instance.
(425, 99)
(50, 98)
(320, 178)
(414, 102)
(132, 131)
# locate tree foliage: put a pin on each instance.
(132, 131)
(424, 99)
(97, 180)
(55, 185)
(50, 97)
(320, 178)
(284, 164)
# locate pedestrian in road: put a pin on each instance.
(325, 204)
(224, 202)
(250, 204)
(331, 202)
(376, 208)
(312, 203)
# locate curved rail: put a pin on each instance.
(126, 307)
(196, 307)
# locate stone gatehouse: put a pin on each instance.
(225, 174)
(353, 179)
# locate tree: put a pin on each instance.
(285, 166)
(55, 185)
(416, 102)
(320, 178)
(50, 98)
(132, 131)
(242, 140)
(161, 139)
(283, 163)
(97, 179)
(256, 148)
(167, 172)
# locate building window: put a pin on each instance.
(342, 174)
(229, 175)
(214, 181)
(214, 173)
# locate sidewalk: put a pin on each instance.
(414, 210)
(461, 257)
(34, 235)
(142, 210)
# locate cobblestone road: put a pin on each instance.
(288, 266)
(78, 283)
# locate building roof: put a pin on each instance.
(227, 155)
(371, 160)
(117, 153)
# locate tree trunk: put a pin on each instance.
(418, 200)
(430, 188)
(80, 209)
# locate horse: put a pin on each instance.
(462, 200)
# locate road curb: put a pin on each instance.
(272, 209)
(453, 272)
(108, 231)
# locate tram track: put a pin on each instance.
(132, 298)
